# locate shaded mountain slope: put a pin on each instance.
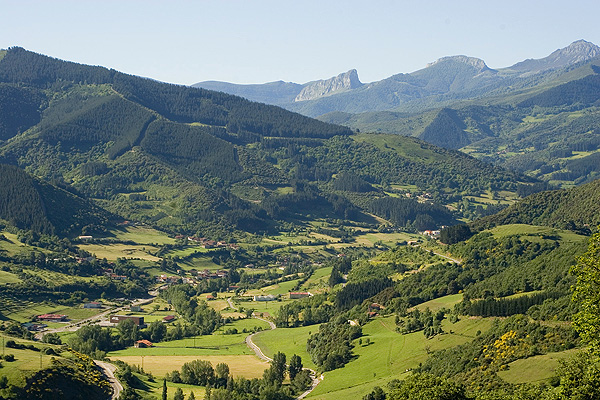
(574, 209)
(194, 160)
(30, 204)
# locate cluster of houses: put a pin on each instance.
(137, 320)
(422, 198)
(208, 243)
(194, 279)
(270, 297)
(111, 274)
(431, 234)
(33, 326)
(374, 309)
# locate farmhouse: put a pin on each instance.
(169, 318)
(142, 344)
(299, 295)
(269, 297)
(32, 326)
(93, 304)
(52, 317)
(139, 321)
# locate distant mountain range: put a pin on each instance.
(540, 117)
(446, 80)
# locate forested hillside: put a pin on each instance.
(548, 131)
(29, 204)
(576, 209)
(190, 159)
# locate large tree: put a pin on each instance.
(587, 295)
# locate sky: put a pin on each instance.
(255, 41)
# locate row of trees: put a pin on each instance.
(220, 384)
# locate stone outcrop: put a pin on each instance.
(314, 90)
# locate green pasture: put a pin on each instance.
(209, 345)
(26, 361)
(536, 233)
(53, 277)
(154, 389)
(245, 323)
(13, 246)
(389, 355)
(187, 251)
(318, 281)
(78, 313)
(535, 369)
(25, 312)
(204, 345)
(119, 250)
(142, 235)
(289, 341)
(441, 302)
(199, 263)
(264, 307)
(278, 288)
(7, 278)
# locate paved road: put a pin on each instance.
(447, 257)
(441, 255)
(231, 305)
(259, 353)
(109, 371)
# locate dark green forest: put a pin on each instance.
(168, 155)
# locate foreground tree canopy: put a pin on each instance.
(587, 295)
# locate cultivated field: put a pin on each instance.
(119, 250)
(248, 366)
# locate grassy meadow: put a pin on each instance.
(441, 302)
(536, 233)
(535, 369)
(389, 355)
(26, 361)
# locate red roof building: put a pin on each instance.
(52, 317)
(141, 344)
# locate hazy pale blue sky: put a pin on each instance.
(255, 41)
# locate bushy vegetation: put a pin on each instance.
(331, 347)
(574, 209)
(221, 384)
(507, 340)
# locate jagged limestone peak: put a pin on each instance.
(345, 81)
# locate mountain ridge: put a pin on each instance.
(450, 78)
(199, 161)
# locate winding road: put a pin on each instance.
(259, 353)
(109, 371)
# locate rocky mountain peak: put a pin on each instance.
(474, 62)
(314, 90)
(577, 51)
